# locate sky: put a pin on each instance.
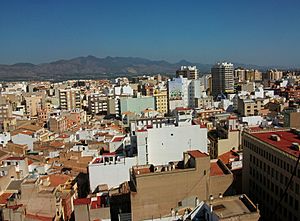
(262, 32)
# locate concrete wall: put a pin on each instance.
(136, 105)
(225, 145)
(168, 143)
(110, 174)
(23, 139)
(158, 192)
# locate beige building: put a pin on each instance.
(222, 78)
(58, 124)
(161, 101)
(97, 103)
(292, 118)
(229, 208)
(204, 102)
(159, 189)
(69, 99)
(250, 107)
(253, 75)
(189, 72)
(33, 104)
(271, 173)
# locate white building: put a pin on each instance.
(24, 137)
(110, 169)
(4, 138)
(178, 90)
(162, 145)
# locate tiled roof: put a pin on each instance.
(38, 217)
(287, 138)
(197, 153)
(215, 169)
(4, 198)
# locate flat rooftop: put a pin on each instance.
(232, 206)
(287, 138)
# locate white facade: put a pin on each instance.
(178, 90)
(162, 145)
(21, 138)
(112, 173)
(4, 138)
(252, 120)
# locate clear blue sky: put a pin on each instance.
(263, 32)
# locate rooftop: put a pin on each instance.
(15, 158)
(284, 143)
(197, 153)
(232, 206)
(4, 198)
(215, 169)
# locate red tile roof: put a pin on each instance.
(4, 198)
(82, 201)
(14, 207)
(182, 108)
(57, 179)
(117, 139)
(15, 158)
(215, 169)
(285, 143)
(225, 157)
(197, 154)
(38, 217)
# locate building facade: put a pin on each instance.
(69, 99)
(271, 173)
(222, 78)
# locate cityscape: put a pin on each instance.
(136, 132)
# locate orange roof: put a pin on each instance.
(15, 158)
(39, 217)
(117, 139)
(197, 154)
(225, 157)
(215, 169)
(4, 197)
(27, 132)
(57, 179)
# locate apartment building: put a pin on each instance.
(222, 78)
(271, 173)
(189, 72)
(161, 101)
(159, 189)
(97, 103)
(69, 99)
(250, 107)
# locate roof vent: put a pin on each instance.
(295, 146)
(275, 137)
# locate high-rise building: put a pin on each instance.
(222, 78)
(189, 72)
(161, 101)
(271, 173)
(97, 103)
(178, 92)
(69, 99)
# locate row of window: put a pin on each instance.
(271, 158)
(279, 177)
(268, 202)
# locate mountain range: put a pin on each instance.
(91, 67)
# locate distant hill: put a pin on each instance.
(91, 67)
